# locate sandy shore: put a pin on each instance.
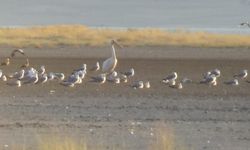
(201, 117)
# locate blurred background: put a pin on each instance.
(208, 15)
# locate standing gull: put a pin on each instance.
(96, 67)
(147, 84)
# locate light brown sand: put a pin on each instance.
(202, 117)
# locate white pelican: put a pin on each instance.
(13, 53)
(242, 74)
(138, 84)
(232, 82)
(129, 73)
(16, 83)
(172, 76)
(109, 64)
(147, 84)
(96, 67)
(101, 78)
(6, 62)
(27, 63)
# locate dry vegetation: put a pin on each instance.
(78, 35)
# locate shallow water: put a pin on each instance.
(212, 15)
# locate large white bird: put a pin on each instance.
(109, 64)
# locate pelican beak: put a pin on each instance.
(116, 44)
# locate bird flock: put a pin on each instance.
(106, 73)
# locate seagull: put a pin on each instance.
(186, 80)
(123, 78)
(1, 73)
(109, 64)
(172, 76)
(96, 67)
(245, 24)
(101, 78)
(43, 78)
(33, 79)
(4, 78)
(81, 73)
(59, 76)
(16, 83)
(6, 62)
(27, 63)
(115, 80)
(138, 84)
(207, 75)
(13, 53)
(18, 75)
(215, 72)
(82, 68)
(147, 84)
(68, 84)
(41, 70)
(129, 73)
(242, 74)
(51, 76)
(177, 86)
(71, 81)
(112, 76)
(232, 82)
(211, 80)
